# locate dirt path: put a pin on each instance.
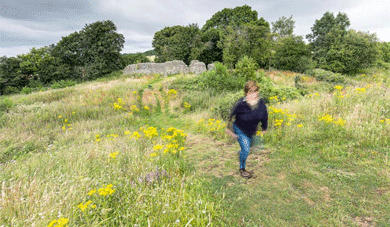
(220, 159)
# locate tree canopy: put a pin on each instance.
(283, 26)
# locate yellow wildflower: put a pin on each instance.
(172, 93)
(299, 125)
(153, 155)
(146, 108)
(361, 90)
(106, 190)
(158, 147)
(338, 87)
(327, 118)
(60, 116)
(135, 135)
(340, 122)
(91, 192)
(278, 122)
(114, 154)
(187, 105)
(84, 206)
(134, 108)
(59, 223)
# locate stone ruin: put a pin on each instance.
(168, 68)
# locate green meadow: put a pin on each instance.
(134, 150)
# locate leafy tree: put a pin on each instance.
(69, 49)
(10, 75)
(319, 39)
(237, 16)
(384, 51)
(128, 59)
(216, 26)
(175, 43)
(351, 52)
(284, 26)
(96, 49)
(290, 52)
(249, 39)
(211, 52)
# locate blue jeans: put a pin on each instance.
(245, 143)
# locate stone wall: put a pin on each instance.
(167, 68)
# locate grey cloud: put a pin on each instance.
(41, 9)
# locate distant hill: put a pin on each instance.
(149, 52)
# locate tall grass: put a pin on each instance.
(57, 149)
(134, 152)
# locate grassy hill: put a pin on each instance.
(148, 151)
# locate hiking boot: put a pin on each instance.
(245, 173)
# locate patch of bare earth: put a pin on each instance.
(364, 221)
(220, 159)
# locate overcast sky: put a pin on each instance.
(25, 24)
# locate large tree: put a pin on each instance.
(96, 49)
(350, 52)
(290, 53)
(249, 39)
(10, 75)
(341, 50)
(217, 27)
(283, 26)
(176, 43)
(237, 16)
(384, 51)
(319, 39)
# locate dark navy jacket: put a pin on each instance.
(247, 119)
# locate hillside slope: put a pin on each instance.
(135, 152)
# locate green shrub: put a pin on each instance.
(246, 68)
(221, 79)
(193, 83)
(327, 76)
(10, 90)
(26, 90)
(223, 107)
(267, 89)
(6, 104)
(383, 65)
(63, 84)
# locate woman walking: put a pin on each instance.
(249, 112)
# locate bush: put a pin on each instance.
(193, 83)
(26, 90)
(267, 89)
(223, 107)
(10, 90)
(305, 64)
(221, 79)
(63, 84)
(5, 105)
(327, 76)
(383, 65)
(246, 68)
(291, 53)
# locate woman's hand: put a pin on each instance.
(231, 133)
